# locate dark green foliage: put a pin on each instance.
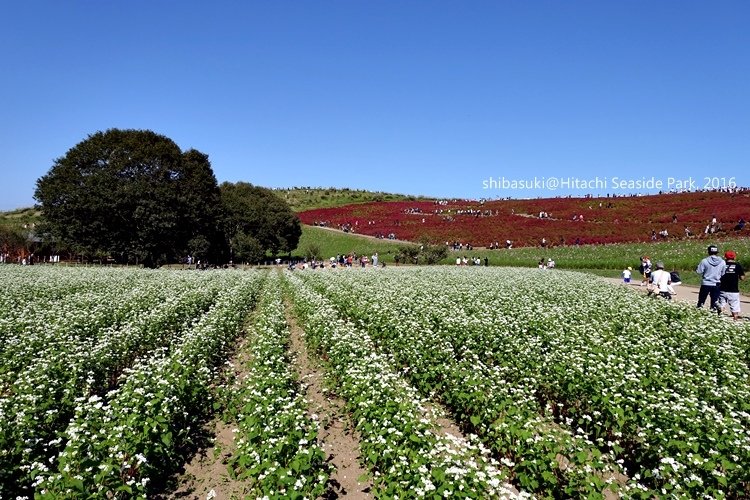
(408, 254)
(256, 211)
(131, 195)
(12, 238)
(247, 249)
(433, 254)
(312, 251)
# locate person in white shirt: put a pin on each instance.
(662, 282)
(626, 273)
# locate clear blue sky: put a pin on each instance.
(419, 97)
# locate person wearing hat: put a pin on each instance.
(626, 273)
(711, 270)
(730, 284)
(662, 282)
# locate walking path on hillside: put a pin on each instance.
(684, 293)
(387, 240)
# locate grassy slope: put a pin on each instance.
(332, 243)
(20, 216)
(301, 199)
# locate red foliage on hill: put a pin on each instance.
(604, 220)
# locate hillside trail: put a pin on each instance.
(684, 293)
(360, 235)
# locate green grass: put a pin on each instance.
(303, 198)
(681, 255)
(20, 216)
(332, 243)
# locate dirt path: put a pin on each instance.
(364, 236)
(336, 437)
(207, 471)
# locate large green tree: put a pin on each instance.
(256, 219)
(132, 194)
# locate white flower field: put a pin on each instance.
(563, 386)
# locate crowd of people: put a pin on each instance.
(473, 261)
(720, 279)
(340, 260)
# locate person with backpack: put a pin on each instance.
(711, 270)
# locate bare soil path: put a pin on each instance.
(365, 236)
(337, 436)
(207, 471)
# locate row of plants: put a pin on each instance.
(546, 458)
(37, 325)
(38, 395)
(399, 440)
(116, 445)
(277, 453)
(38, 289)
(657, 389)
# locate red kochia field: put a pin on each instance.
(605, 220)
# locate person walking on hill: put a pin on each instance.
(711, 270)
(730, 285)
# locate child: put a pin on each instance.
(626, 275)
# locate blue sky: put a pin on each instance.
(419, 97)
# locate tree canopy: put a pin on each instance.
(132, 195)
(257, 221)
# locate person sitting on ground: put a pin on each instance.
(675, 277)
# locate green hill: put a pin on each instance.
(331, 243)
(20, 217)
(308, 198)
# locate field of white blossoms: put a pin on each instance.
(563, 385)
